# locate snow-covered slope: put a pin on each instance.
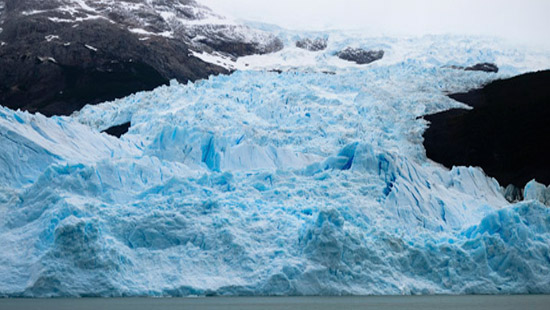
(185, 20)
(260, 183)
(434, 51)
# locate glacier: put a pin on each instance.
(313, 181)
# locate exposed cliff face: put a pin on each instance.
(59, 55)
(485, 67)
(360, 56)
(506, 133)
(482, 66)
(313, 45)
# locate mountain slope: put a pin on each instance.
(506, 133)
(56, 56)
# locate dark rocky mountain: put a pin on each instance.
(118, 130)
(507, 132)
(484, 67)
(313, 45)
(360, 56)
(58, 55)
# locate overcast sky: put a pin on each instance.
(524, 21)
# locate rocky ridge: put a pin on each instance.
(506, 132)
(313, 45)
(360, 56)
(59, 55)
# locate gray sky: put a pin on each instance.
(523, 21)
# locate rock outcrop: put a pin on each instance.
(485, 67)
(313, 45)
(360, 56)
(506, 133)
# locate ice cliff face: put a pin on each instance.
(260, 183)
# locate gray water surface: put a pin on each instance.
(515, 302)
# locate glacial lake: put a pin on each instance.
(477, 302)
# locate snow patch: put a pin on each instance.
(215, 58)
(166, 34)
(91, 47)
(51, 37)
(77, 19)
(33, 12)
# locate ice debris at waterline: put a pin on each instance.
(261, 183)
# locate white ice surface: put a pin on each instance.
(260, 183)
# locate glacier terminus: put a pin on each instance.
(300, 173)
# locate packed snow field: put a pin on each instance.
(312, 181)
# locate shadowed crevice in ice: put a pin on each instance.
(118, 130)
